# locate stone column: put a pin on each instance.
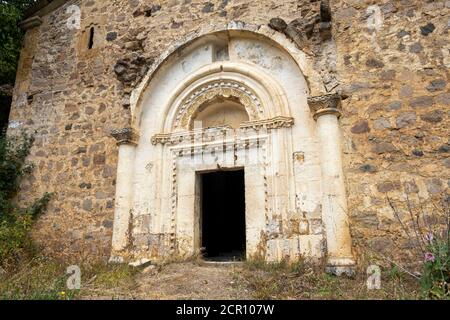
(326, 111)
(127, 141)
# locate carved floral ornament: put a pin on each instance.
(200, 134)
(225, 89)
(326, 104)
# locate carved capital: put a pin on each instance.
(326, 104)
(125, 136)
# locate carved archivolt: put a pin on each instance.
(225, 89)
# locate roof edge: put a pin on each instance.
(43, 7)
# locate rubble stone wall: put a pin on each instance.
(389, 59)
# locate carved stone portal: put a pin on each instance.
(246, 112)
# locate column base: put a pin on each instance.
(341, 267)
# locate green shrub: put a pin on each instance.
(15, 222)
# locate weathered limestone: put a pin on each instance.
(165, 202)
(126, 140)
(326, 111)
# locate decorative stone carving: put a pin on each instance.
(274, 123)
(237, 143)
(192, 135)
(326, 104)
(173, 210)
(234, 143)
(125, 136)
(210, 91)
(261, 144)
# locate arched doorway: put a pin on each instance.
(232, 101)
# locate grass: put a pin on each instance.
(114, 276)
(104, 281)
(300, 281)
(38, 279)
(43, 279)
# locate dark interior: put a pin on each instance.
(91, 38)
(223, 215)
(5, 107)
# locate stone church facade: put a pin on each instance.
(324, 107)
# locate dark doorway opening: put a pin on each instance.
(223, 215)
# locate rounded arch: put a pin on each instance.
(247, 72)
(262, 97)
(215, 94)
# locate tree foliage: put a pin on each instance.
(11, 12)
(15, 222)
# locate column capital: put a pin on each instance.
(326, 104)
(125, 136)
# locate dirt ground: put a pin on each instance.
(193, 280)
(175, 281)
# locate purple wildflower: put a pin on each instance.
(429, 257)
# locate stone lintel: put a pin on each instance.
(274, 123)
(125, 136)
(326, 104)
(267, 124)
(32, 22)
